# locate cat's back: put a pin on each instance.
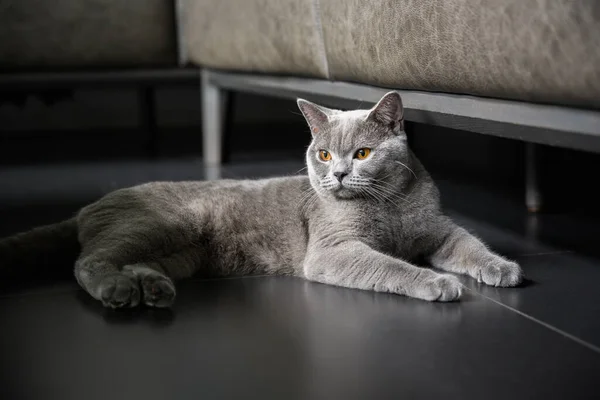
(247, 204)
(180, 194)
(232, 206)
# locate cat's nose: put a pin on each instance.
(340, 175)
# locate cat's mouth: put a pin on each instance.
(339, 190)
(345, 193)
(342, 191)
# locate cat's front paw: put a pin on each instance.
(501, 274)
(159, 291)
(119, 290)
(441, 288)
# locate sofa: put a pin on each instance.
(528, 70)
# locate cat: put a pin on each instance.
(364, 212)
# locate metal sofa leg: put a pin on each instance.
(212, 122)
(533, 198)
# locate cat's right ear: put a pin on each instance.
(316, 116)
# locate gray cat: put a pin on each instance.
(366, 210)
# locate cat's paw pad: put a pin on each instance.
(442, 288)
(159, 291)
(503, 274)
(119, 290)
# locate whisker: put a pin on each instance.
(308, 200)
(376, 195)
(390, 194)
(385, 197)
(390, 190)
(367, 195)
(306, 194)
(300, 170)
(406, 166)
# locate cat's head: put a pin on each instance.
(359, 153)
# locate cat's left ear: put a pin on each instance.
(389, 112)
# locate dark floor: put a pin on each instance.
(285, 338)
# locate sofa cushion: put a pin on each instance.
(543, 50)
(41, 34)
(275, 36)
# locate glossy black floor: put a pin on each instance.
(285, 338)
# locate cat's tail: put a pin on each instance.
(47, 251)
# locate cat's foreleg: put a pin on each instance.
(463, 253)
(353, 264)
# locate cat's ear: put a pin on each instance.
(316, 116)
(389, 112)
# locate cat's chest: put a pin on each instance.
(398, 232)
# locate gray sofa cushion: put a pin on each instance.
(544, 50)
(275, 36)
(39, 34)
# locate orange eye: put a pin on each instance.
(324, 155)
(363, 153)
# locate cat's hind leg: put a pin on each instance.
(121, 283)
(127, 286)
(104, 281)
(156, 276)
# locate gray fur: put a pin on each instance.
(361, 232)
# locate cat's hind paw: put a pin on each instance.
(119, 291)
(159, 291)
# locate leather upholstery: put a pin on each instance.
(535, 50)
(276, 36)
